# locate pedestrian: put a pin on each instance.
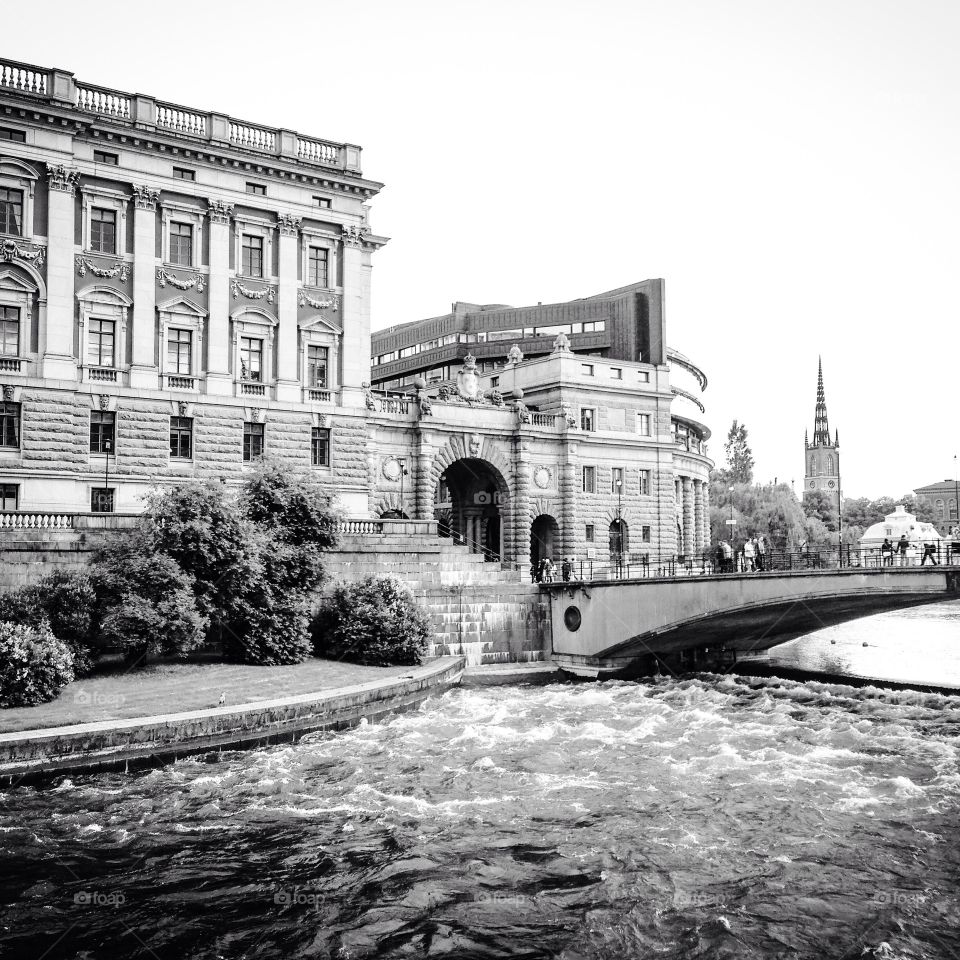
(886, 552)
(566, 569)
(761, 554)
(930, 550)
(542, 570)
(749, 555)
(902, 545)
(727, 556)
(720, 557)
(551, 570)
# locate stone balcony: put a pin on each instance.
(142, 112)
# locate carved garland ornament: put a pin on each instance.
(251, 294)
(104, 273)
(14, 250)
(163, 278)
(305, 300)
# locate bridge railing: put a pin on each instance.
(650, 566)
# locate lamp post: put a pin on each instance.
(954, 536)
(403, 473)
(619, 529)
(839, 517)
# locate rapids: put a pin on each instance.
(706, 817)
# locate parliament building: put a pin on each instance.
(183, 292)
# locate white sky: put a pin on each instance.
(791, 170)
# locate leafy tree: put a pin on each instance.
(739, 455)
(375, 621)
(821, 505)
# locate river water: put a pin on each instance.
(703, 817)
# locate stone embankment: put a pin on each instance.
(86, 747)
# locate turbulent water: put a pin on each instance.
(705, 817)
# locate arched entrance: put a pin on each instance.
(544, 539)
(467, 505)
(619, 540)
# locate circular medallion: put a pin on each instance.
(541, 477)
(391, 468)
(831, 484)
(813, 483)
(572, 619)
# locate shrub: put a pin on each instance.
(273, 632)
(374, 621)
(34, 665)
(67, 602)
(147, 605)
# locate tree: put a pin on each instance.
(817, 503)
(771, 511)
(739, 455)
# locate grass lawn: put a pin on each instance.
(176, 687)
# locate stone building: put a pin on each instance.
(822, 456)
(943, 497)
(183, 292)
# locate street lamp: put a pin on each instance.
(839, 516)
(403, 473)
(954, 534)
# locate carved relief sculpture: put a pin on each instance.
(468, 380)
(144, 197)
(515, 355)
(476, 441)
(289, 224)
(251, 294)
(62, 178)
(119, 269)
(219, 211)
(197, 280)
(331, 303)
(353, 236)
(18, 250)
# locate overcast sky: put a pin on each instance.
(791, 170)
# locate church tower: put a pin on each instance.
(822, 466)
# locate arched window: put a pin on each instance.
(830, 470)
(813, 466)
(952, 506)
(938, 509)
(619, 539)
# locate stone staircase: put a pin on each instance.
(487, 612)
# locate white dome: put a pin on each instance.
(894, 525)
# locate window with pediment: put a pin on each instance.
(18, 306)
(181, 343)
(254, 341)
(104, 220)
(319, 353)
(103, 333)
(17, 189)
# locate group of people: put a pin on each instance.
(546, 570)
(752, 556)
(906, 553)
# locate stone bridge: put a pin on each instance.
(602, 629)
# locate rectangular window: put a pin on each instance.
(181, 244)
(183, 173)
(588, 418)
(643, 424)
(103, 230)
(11, 211)
(643, 376)
(257, 189)
(101, 156)
(589, 532)
(102, 431)
(322, 202)
(9, 331)
(616, 373)
(586, 369)
(100, 350)
(181, 438)
(644, 483)
(317, 366)
(180, 351)
(320, 447)
(9, 496)
(589, 479)
(317, 267)
(252, 256)
(252, 441)
(251, 359)
(102, 499)
(9, 424)
(645, 534)
(616, 480)
(14, 136)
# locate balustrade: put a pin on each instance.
(23, 77)
(104, 103)
(10, 364)
(180, 120)
(102, 374)
(252, 389)
(543, 419)
(319, 396)
(256, 137)
(31, 521)
(180, 383)
(317, 151)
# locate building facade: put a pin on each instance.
(822, 456)
(943, 497)
(182, 293)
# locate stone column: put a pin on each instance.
(698, 543)
(289, 388)
(567, 485)
(706, 515)
(144, 370)
(423, 479)
(521, 500)
(219, 378)
(687, 487)
(57, 343)
(355, 355)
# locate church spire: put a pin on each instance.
(821, 429)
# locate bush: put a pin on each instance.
(67, 602)
(271, 633)
(34, 665)
(147, 604)
(375, 621)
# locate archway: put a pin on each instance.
(544, 539)
(467, 505)
(619, 540)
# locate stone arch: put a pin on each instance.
(388, 503)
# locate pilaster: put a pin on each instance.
(59, 359)
(698, 542)
(219, 379)
(288, 376)
(356, 322)
(567, 485)
(686, 484)
(144, 370)
(521, 501)
(706, 515)
(423, 485)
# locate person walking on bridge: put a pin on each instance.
(930, 551)
(886, 552)
(902, 545)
